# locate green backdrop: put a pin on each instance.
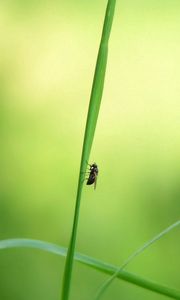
(47, 58)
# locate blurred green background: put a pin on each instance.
(48, 51)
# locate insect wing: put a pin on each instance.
(95, 181)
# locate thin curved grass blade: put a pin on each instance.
(109, 281)
(93, 263)
(93, 111)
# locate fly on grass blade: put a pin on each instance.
(93, 173)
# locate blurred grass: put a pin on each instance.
(129, 260)
(136, 144)
(99, 265)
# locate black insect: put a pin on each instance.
(93, 173)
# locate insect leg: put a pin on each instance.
(88, 163)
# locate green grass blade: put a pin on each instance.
(35, 244)
(93, 263)
(94, 106)
(107, 283)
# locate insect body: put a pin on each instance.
(93, 173)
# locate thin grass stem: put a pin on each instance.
(94, 264)
(93, 111)
(109, 281)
